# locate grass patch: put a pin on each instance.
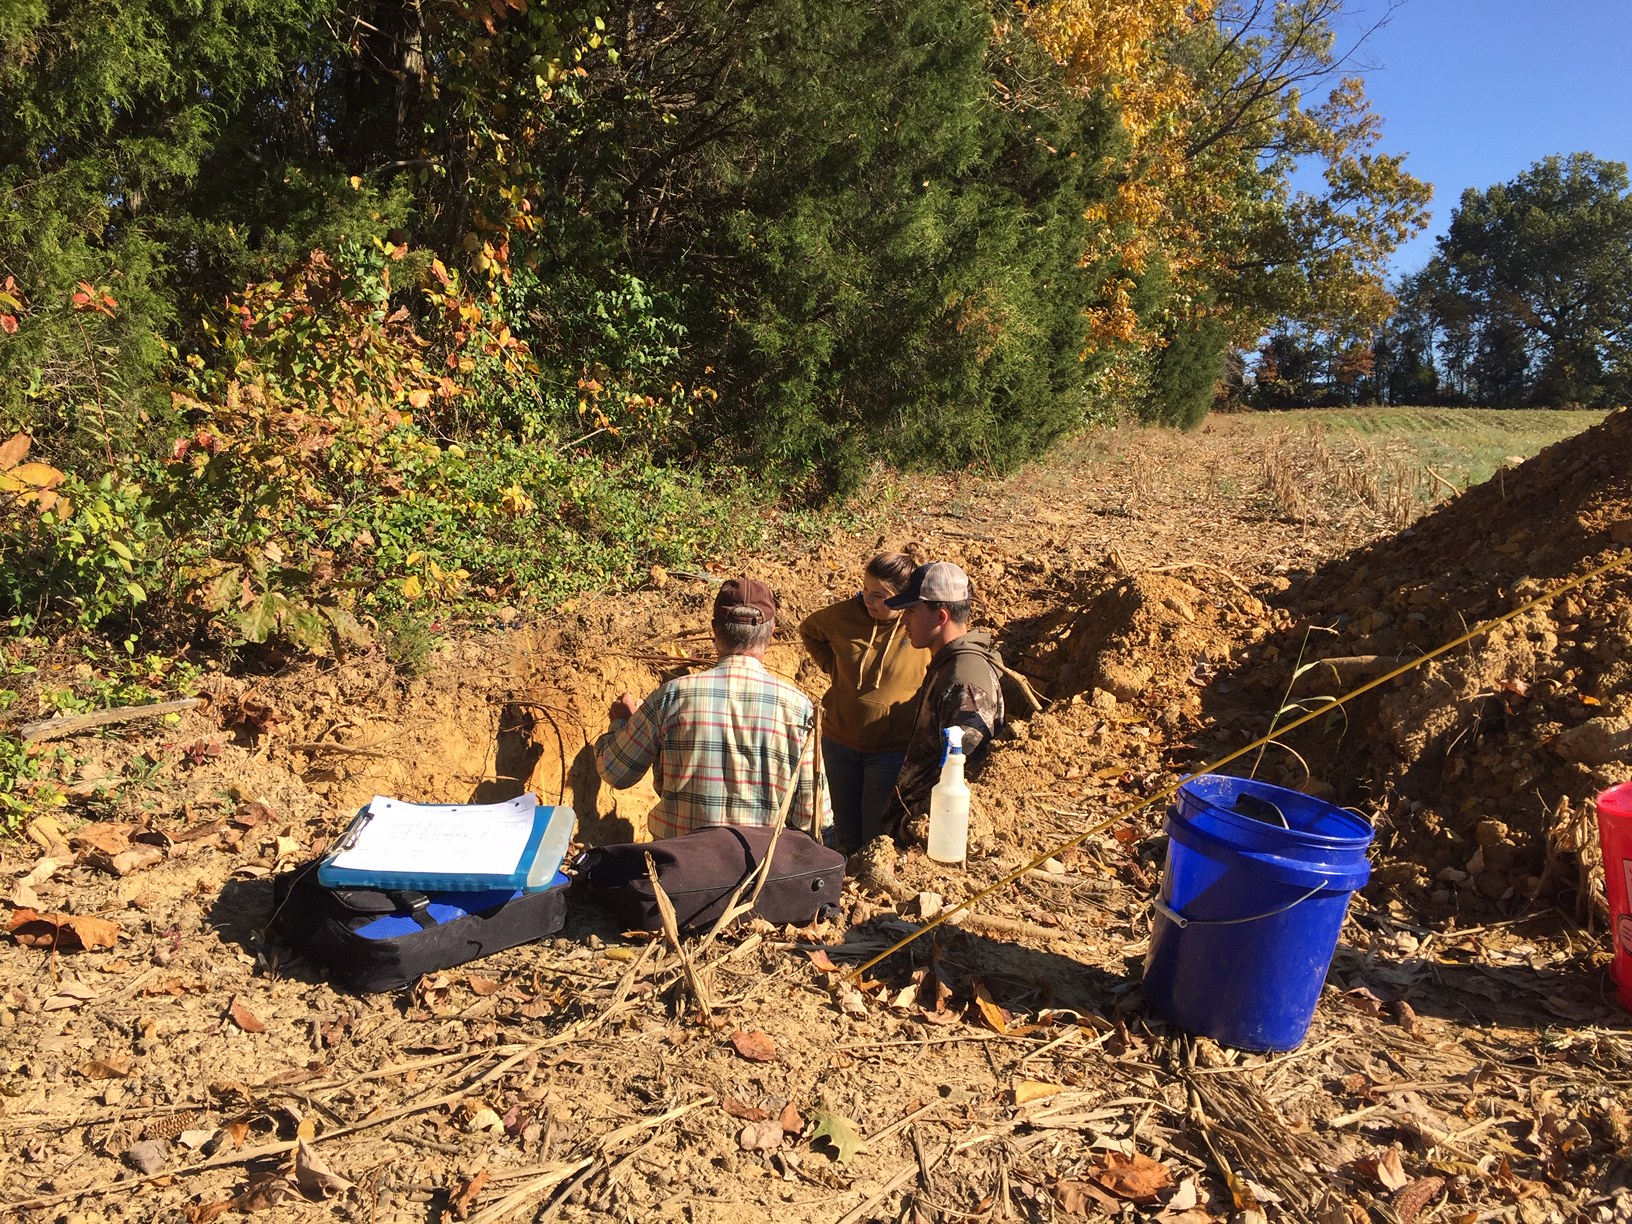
(1458, 447)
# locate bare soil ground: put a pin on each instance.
(1164, 593)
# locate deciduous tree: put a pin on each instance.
(1538, 271)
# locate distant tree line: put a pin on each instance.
(1527, 302)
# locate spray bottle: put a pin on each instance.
(949, 804)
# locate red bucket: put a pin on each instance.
(1615, 836)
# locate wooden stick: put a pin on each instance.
(634, 1128)
(900, 1123)
(902, 1176)
(418, 1064)
(671, 930)
(1455, 492)
(991, 924)
(916, 1042)
(539, 1185)
(554, 1209)
(346, 750)
(56, 728)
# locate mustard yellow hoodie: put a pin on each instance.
(875, 672)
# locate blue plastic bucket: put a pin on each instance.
(1250, 911)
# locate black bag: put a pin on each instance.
(372, 940)
(699, 872)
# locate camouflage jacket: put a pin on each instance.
(962, 688)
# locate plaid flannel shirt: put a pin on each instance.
(723, 746)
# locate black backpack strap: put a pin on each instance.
(415, 905)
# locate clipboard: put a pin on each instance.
(450, 847)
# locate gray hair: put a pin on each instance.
(733, 638)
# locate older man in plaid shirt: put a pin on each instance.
(725, 745)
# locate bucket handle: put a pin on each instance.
(1179, 920)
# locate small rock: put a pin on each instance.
(1053, 866)
(1122, 678)
(1598, 741)
(148, 1156)
(1177, 606)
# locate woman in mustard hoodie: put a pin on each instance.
(867, 714)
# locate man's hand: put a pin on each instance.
(624, 707)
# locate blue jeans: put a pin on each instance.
(859, 784)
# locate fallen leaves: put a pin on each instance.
(995, 1017)
(126, 862)
(266, 1191)
(821, 960)
(47, 833)
(753, 1045)
(243, 1017)
(837, 1132)
(70, 995)
(1136, 1178)
(1026, 1091)
(767, 1128)
(464, 1198)
(61, 932)
(105, 1068)
(313, 1177)
(434, 993)
(1077, 1197)
(477, 1117)
(109, 837)
(23, 895)
(849, 999)
(1115, 1179)
(766, 1135)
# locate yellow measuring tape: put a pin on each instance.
(968, 903)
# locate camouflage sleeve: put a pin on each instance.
(969, 706)
(977, 710)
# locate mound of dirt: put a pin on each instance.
(1137, 637)
(1481, 764)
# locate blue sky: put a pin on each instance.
(1476, 91)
